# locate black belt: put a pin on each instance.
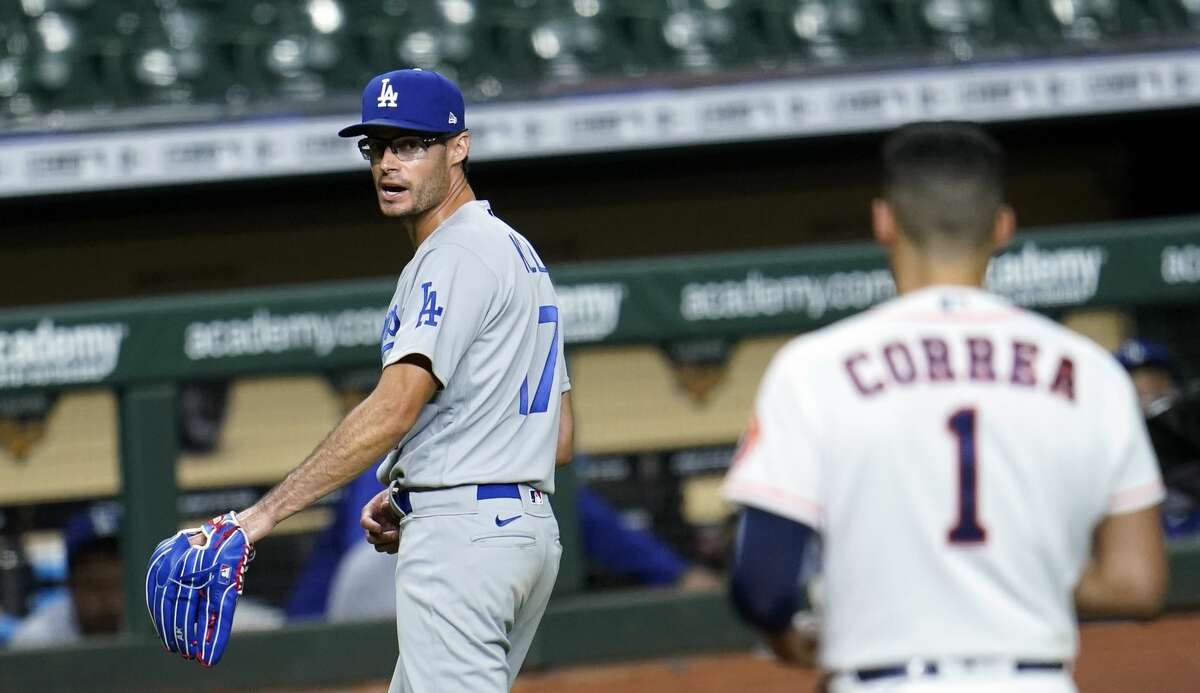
(931, 669)
(401, 503)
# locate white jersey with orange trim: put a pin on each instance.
(955, 453)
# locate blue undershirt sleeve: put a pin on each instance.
(765, 583)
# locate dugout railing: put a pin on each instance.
(142, 348)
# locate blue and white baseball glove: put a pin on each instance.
(192, 591)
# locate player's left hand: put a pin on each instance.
(192, 586)
(380, 523)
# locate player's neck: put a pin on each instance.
(423, 225)
(909, 283)
(915, 271)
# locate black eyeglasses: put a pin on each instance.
(406, 148)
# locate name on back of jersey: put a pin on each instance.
(903, 362)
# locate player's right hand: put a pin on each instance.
(381, 525)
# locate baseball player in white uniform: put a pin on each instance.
(470, 415)
(974, 472)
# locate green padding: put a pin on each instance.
(637, 625)
(330, 327)
(148, 445)
(300, 655)
(1184, 591)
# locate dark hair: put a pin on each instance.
(944, 182)
(102, 547)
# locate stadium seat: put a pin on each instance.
(162, 59)
(1090, 21)
(833, 31)
(503, 61)
(16, 66)
(63, 64)
(639, 26)
(964, 28)
(576, 40)
(704, 35)
(369, 40)
(1177, 15)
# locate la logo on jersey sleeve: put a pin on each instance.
(430, 310)
(429, 315)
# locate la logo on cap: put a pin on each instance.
(387, 95)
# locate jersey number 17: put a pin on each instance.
(541, 396)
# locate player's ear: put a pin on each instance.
(1005, 227)
(459, 147)
(883, 220)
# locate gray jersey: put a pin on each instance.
(477, 301)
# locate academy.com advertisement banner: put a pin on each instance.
(335, 327)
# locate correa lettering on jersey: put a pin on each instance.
(929, 360)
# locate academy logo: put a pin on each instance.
(1181, 264)
(387, 95)
(590, 312)
(758, 295)
(1036, 277)
(265, 332)
(52, 354)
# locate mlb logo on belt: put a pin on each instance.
(226, 573)
(536, 497)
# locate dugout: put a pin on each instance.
(114, 371)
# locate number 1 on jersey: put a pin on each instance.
(967, 530)
(541, 396)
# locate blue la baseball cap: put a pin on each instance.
(410, 100)
(99, 521)
(1136, 353)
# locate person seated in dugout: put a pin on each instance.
(1172, 411)
(96, 603)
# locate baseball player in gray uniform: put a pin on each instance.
(470, 415)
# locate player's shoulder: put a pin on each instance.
(474, 224)
(1087, 352)
(813, 348)
(475, 231)
(833, 337)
